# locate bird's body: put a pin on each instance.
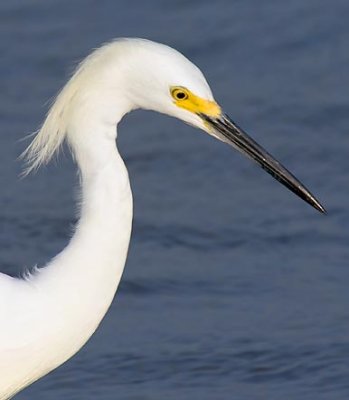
(47, 317)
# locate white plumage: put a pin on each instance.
(46, 318)
(49, 316)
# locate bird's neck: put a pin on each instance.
(85, 275)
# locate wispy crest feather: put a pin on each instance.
(50, 137)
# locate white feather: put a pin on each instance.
(48, 316)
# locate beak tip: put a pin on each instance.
(317, 205)
(321, 209)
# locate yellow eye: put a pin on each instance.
(179, 94)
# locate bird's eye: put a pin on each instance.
(179, 94)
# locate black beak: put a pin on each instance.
(227, 131)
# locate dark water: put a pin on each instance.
(234, 288)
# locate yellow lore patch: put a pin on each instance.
(184, 98)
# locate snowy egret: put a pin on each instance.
(47, 317)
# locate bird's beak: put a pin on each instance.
(227, 131)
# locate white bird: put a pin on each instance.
(47, 317)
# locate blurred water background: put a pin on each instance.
(234, 288)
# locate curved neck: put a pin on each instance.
(89, 269)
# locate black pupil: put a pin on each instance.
(180, 95)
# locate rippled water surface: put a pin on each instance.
(234, 288)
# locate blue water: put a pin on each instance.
(234, 288)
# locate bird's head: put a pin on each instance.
(169, 83)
